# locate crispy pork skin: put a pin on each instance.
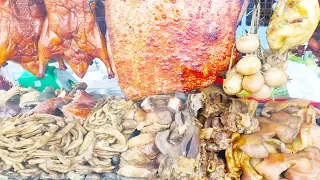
(160, 46)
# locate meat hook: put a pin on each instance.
(91, 1)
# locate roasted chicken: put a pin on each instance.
(21, 22)
(71, 33)
(292, 24)
(167, 46)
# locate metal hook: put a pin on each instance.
(91, 1)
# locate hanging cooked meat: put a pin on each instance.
(292, 24)
(71, 32)
(20, 25)
(166, 46)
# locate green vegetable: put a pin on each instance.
(280, 92)
(244, 94)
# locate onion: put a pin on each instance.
(232, 85)
(275, 77)
(272, 60)
(248, 65)
(265, 67)
(275, 62)
(248, 43)
(230, 72)
(264, 93)
(253, 83)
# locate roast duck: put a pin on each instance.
(70, 32)
(20, 26)
(152, 46)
